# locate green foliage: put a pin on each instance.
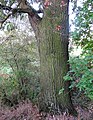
(10, 26)
(61, 91)
(9, 93)
(81, 74)
(19, 67)
(83, 34)
(9, 2)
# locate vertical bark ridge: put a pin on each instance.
(53, 50)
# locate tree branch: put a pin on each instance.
(2, 21)
(30, 10)
(3, 7)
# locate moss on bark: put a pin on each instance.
(53, 41)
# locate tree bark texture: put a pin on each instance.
(52, 34)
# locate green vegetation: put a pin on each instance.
(19, 73)
(81, 74)
(34, 58)
(81, 67)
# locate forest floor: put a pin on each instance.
(27, 111)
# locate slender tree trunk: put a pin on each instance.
(53, 38)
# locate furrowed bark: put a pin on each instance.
(52, 34)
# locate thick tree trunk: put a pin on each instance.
(52, 34)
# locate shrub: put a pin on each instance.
(81, 74)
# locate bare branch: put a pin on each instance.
(2, 21)
(30, 10)
(3, 7)
(3, 40)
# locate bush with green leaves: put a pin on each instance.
(83, 32)
(15, 88)
(81, 74)
(19, 60)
